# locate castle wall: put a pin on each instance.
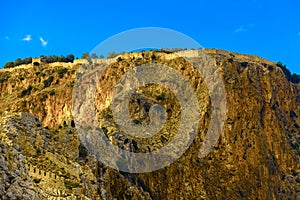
(53, 184)
(186, 53)
(80, 61)
(61, 64)
(46, 177)
(71, 169)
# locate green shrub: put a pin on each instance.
(83, 152)
(26, 91)
(244, 64)
(136, 121)
(4, 76)
(9, 65)
(61, 72)
(48, 81)
(295, 145)
(37, 180)
(18, 62)
(119, 59)
(53, 58)
(105, 130)
(112, 55)
(72, 123)
(294, 173)
(161, 97)
(108, 116)
(52, 92)
(86, 56)
(153, 57)
(69, 184)
(294, 78)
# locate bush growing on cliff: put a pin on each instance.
(161, 97)
(4, 77)
(83, 152)
(26, 91)
(48, 81)
(70, 185)
(294, 78)
(61, 72)
(52, 92)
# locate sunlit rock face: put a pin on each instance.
(256, 156)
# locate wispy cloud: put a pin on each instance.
(6, 37)
(27, 38)
(240, 29)
(299, 33)
(44, 43)
(244, 28)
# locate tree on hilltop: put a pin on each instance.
(70, 58)
(112, 54)
(86, 56)
(94, 56)
(9, 65)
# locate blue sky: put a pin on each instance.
(269, 29)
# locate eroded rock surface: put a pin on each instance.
(256, 157)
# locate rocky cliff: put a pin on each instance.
(256, 156)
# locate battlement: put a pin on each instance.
(38, 173)
(53, 183)
(72, 169)
(136, 55)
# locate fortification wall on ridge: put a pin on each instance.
(136, 55)
(45, 177)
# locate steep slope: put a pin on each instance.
(257, 155)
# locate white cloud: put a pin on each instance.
(241, 29)
(7, 38)
(244, 28)
(27, 38)
(44, 43)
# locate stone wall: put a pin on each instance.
(80, 61)
(61, 64)
(52, 184)
(45, 176)
(186, 53)
(72, 169)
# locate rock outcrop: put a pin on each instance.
(256, 157)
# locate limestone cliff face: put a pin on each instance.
(45, 91)
(256, 157)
